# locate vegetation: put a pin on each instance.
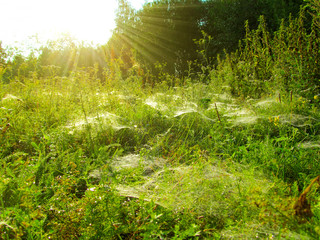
(101, 143)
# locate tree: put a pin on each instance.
(224, 19)
(162, 32)
(3, 56)
(66, 55)
(165, 31)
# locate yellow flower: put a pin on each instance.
(316, 97)
(276, 121)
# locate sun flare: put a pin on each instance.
(90, 21)
(86, 20)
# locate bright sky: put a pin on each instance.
(87, 20)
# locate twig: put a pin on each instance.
(279, 98)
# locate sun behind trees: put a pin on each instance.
(164, 36)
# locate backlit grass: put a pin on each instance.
(82, 160)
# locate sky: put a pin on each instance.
(91, 21)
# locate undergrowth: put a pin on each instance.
(95, 163)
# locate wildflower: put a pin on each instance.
(276, 121)
(315, 97)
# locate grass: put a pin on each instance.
(85, 160)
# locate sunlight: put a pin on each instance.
(89, 21)
(85, 21)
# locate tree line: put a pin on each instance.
(168, 31)
(164, 37)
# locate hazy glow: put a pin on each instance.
(86, 20)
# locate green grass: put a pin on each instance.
(82, 160)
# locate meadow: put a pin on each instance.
(91, 161)
(228, 152)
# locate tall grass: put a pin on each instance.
(86, 160)
(68, 170)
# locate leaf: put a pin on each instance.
(36, 147)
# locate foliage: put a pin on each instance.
(162, 32)
(287, 61)
(2, 55)
(60, 58)
(161, 38)
(67, 55)
(315, 11)
(81, 159)
(143, 156)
